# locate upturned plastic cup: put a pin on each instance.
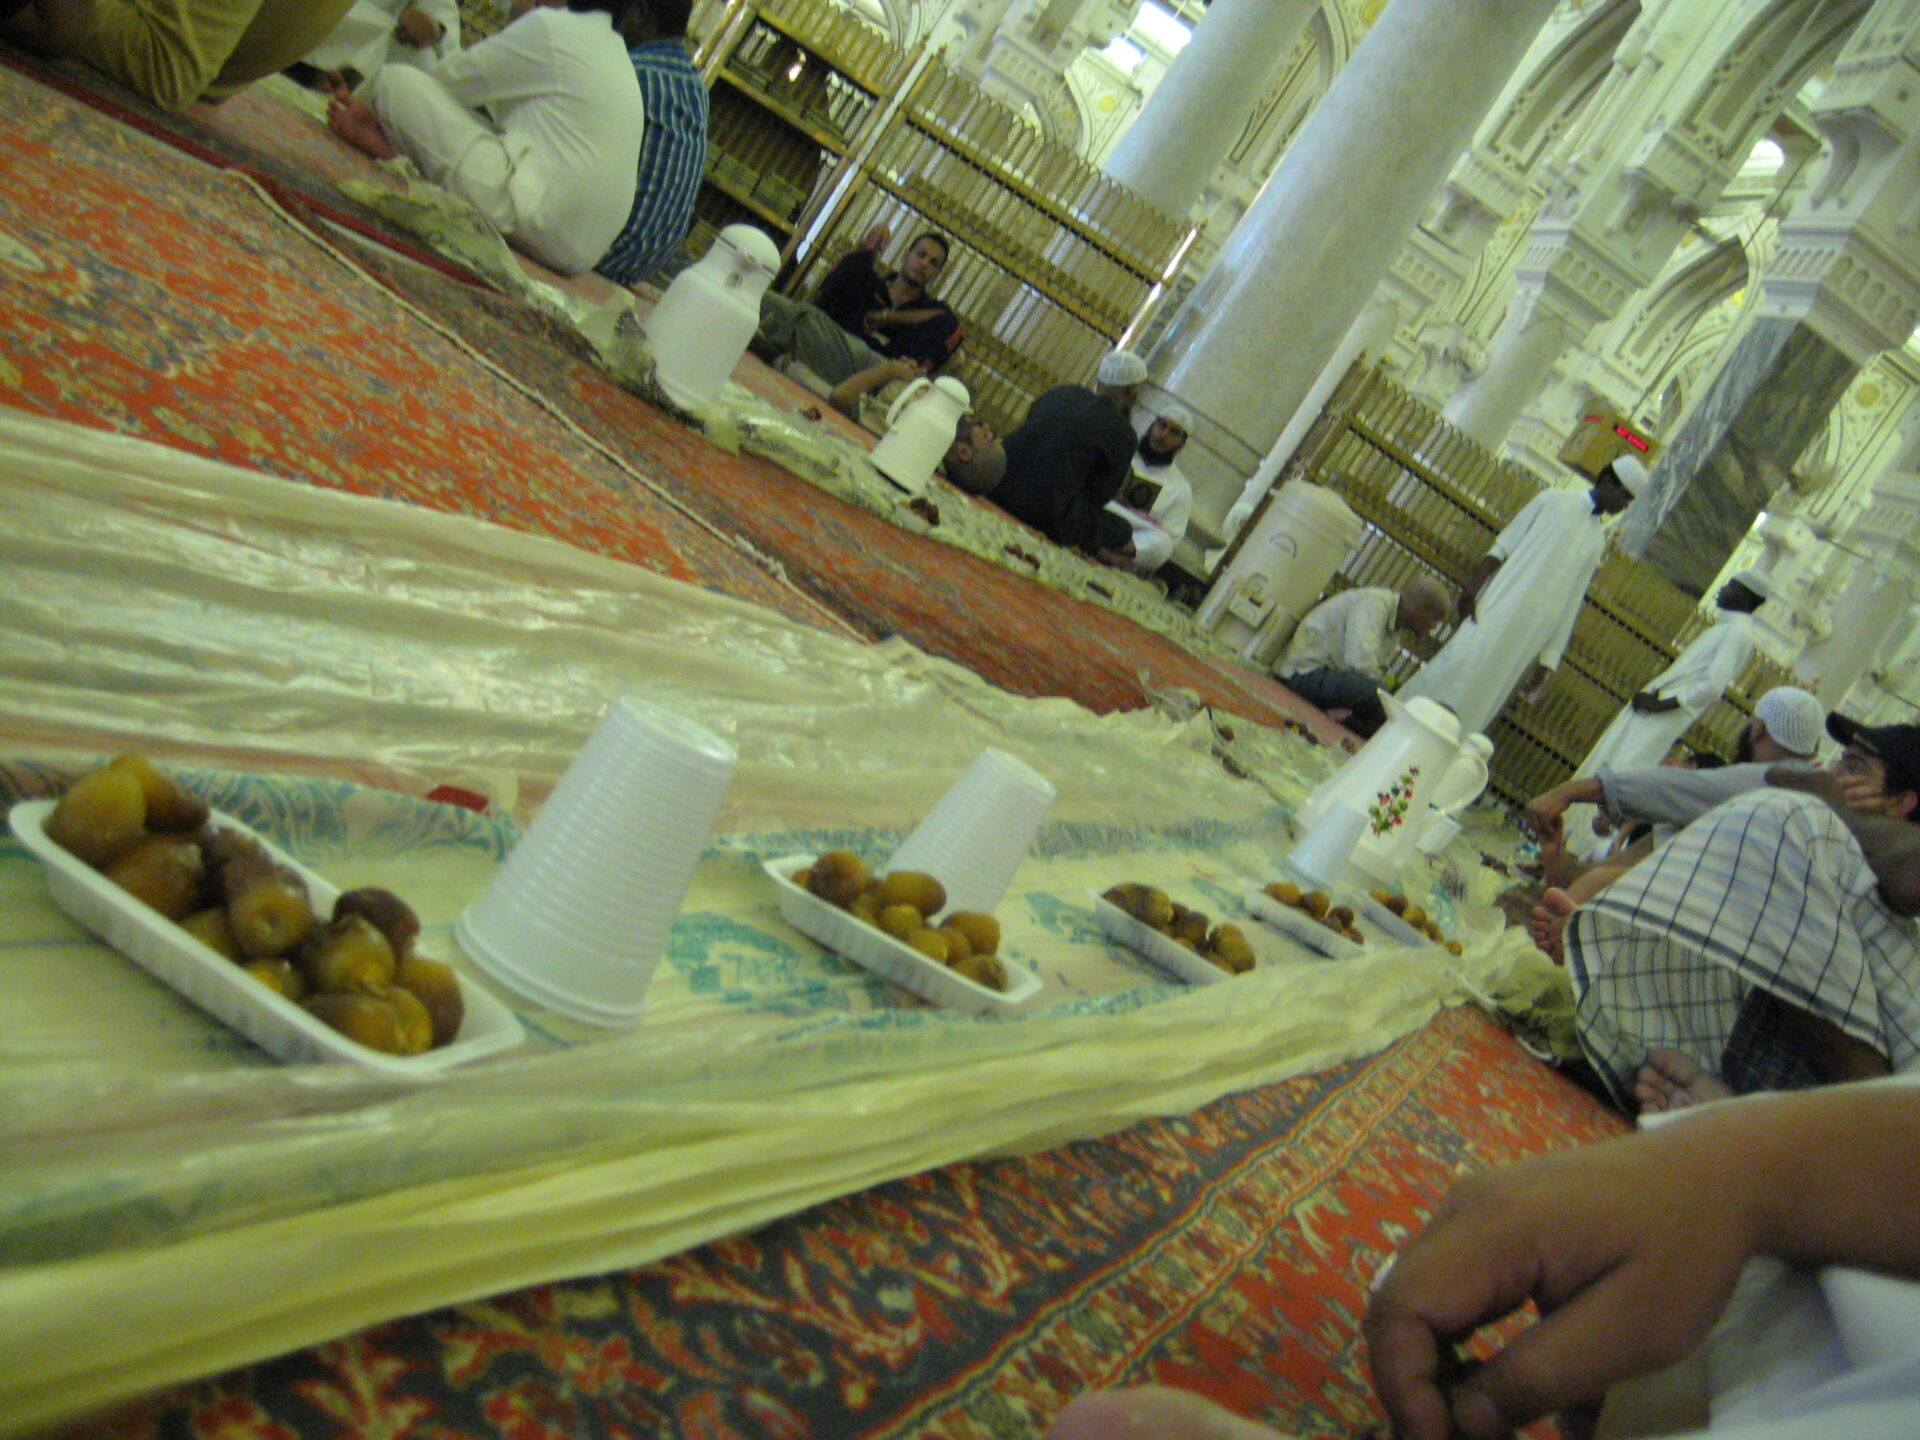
(1323, 855)
(978, 832)
(577, 917)
(1441, 831)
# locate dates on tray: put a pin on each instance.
(905, 905)
(355, 969)
(1223, 945)
(1317, 903)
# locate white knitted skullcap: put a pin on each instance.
(1122, 367)
(1794, 718)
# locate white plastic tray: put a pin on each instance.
(1163, 950)
(222, 988)
(1299, 925)
(887, 957)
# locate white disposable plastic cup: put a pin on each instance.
(1441, 831)
(578, 916)
(1324, 853)
(978, 832)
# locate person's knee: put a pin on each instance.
(157, 51)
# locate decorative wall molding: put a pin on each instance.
(1857, 289)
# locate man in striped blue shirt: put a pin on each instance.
(673, 153)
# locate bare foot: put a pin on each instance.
(1674, 1080)
(354, 122)
(1548, 923)
(1152, 1412)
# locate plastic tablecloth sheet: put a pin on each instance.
(172, 1202)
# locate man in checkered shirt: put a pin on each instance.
(1769, 942)
(673, 149)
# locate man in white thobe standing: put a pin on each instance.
(1659, 715)
(1519, 605)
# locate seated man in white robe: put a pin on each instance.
(554, 163)
(1157, 501)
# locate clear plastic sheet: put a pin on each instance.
(172, 1203)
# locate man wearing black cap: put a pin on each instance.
(1878, 767)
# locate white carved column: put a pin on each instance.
(1196, 112)
(1875, 569)
(1302, 264)
(1524, 349)
(1678, 115)
(1032, 42)
(1369, 335)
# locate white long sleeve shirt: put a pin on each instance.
(562, 91)
(1164, 523)
(1351, 631)
(1699, 675)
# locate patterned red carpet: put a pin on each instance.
(1227, 1252)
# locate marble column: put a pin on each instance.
(1843, 285)
(1524, 350)
(1768, 403)
(1369, 335)
(1307, 256)
(1203, 102)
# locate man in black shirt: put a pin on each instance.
(1071, 455)
(894, 312)
(861, 317)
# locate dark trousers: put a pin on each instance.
(1334, 689)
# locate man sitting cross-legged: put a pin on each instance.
(1768, 943)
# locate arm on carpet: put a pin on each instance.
(1597, 1237)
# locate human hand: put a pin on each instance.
(1629, 1248)
(1828, 786)
(1536, 685)
(1647, 703)
(904, 368)
(1541, 819)
(417, 28)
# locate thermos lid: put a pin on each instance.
(752, 244)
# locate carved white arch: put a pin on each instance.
(1672, 310)
(1558, 89)
(1763, 67)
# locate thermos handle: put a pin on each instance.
(914, 387)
